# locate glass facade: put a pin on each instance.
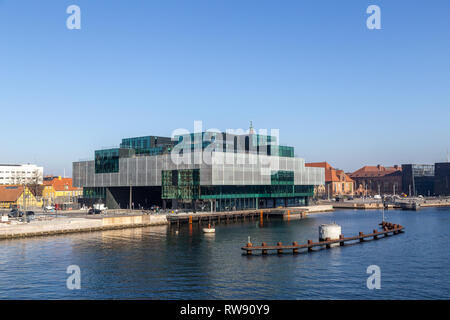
(418, 179)
(148, 145)
(181, 184)
(264, 191)
(284, 151)
(227, 142)
(282, 178)
(107, 160)
(94, 193)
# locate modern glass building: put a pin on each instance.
(211, 171)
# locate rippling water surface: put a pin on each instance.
(156, 263)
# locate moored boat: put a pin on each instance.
(209, 229)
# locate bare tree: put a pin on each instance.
(34, 184)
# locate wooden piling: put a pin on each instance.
(249, 252)
(295, 250)
(264, 245)
(361, 237)
(279, 251)
(341, 237)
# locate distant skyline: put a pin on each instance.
(337, 91)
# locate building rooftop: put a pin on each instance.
(331, 174)
(10, 193)
(375, 171)
(61, 184)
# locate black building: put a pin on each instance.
(442, 179)
(418, 179)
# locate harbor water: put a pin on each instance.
(161, 263)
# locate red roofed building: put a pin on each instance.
(17, 196)
(58, 190)
(371, 180)
(337, 182)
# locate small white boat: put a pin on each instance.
(209, 229)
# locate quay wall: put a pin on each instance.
(73, 225)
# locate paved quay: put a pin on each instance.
(78, 221)
(45, 224)
(378, 204)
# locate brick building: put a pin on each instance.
(372, 180)
(337, 182)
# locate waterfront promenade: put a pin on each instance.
(79, 221)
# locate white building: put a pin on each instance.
(20, 174)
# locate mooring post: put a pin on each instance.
(310, 248)
(341, 236)
(375, 237)
(327, 245)
(264, 251)
(361, 239)
(279, 251)
(249, 244)
(249, 252)
(295, 250)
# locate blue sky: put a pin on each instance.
(336, 90)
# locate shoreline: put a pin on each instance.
(51, 225)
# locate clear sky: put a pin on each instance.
(337, 91)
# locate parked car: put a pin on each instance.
(15, 213)
(27, 216)
(94, 211)
(49, 208)
(30, 214)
